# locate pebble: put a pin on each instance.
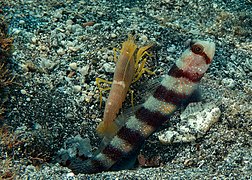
(37, 126)
(73, 49)
(70, 43)
(248, 63)
(23, 91)
(77, 88)
(69, 22)
(232, 57)
(60, 51)
(171, 49)
(45, 63)
(143, 38)
(196, 120)
(15, 31)
(120, 21)
(70, 175)
(105, 56)
(58, 14)
(42, 47)
(108, 67)
(76, 28)
(34, 40)
(21, 22)
(228, 82)
(84, 70)
(113, 35)
(73, 66)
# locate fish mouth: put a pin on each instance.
(210, 50)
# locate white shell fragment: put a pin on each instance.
(108, 67)
(196, 120)
(84, 70)
(76, 88)
(73, 66)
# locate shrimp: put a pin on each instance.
(129, 68)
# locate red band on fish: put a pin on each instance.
(154, 119)
(97, 165)
(112, 152)
(131, 136)
(169, 96)
(179, 73)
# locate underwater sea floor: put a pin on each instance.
(61, 47)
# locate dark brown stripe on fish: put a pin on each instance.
(154, 119)
(67, 163)
(112, 152)
(131, 136)
(97, 165)
(207, 59)
(179, 73)
(169, 96)
(82, 157)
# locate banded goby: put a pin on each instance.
(175, 88)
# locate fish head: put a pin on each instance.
(197, 57)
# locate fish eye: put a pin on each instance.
(197, 49)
